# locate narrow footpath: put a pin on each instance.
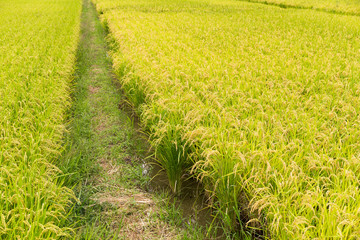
(106, 153)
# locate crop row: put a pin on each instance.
(260, 103)
(38, 41)
(350, 7)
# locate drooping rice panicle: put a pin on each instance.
(259, 100)
(38, 41)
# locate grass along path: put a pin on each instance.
(105, 155)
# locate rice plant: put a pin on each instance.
(350, 7)
(38, 40)
(264, 100)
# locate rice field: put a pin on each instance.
(350, 7)
(258, 102)
(38, 41)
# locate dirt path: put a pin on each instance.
(105, 155)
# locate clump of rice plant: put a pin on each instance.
(172, 154)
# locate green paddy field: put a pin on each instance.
(259, 101)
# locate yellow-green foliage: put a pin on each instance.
(264, 100)
(351, 7)
(38, 41)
